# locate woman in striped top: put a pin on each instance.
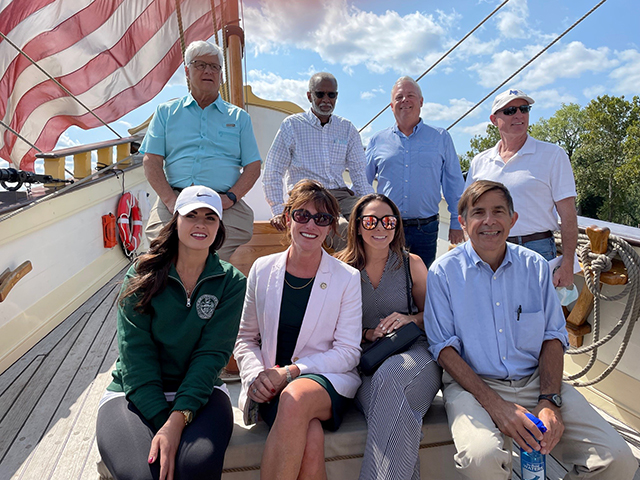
(396, 397)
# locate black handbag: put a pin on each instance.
(395, 342)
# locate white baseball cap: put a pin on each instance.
(506, 97)
(198, 196)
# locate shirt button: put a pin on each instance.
(406, 165)
(500, 330)
(498, 304)
(495, 278)
(504, 358)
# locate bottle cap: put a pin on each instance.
(537, 421)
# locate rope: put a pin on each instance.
(59, 84)
(527, 64)
(183, 46)
(442, 57)
(20, 136)
(593, 265)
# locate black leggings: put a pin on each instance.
(124, 439)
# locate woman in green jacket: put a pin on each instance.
(167, 414)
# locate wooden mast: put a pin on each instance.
(234, 36)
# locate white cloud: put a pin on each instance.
(345, 35)
(125, 124)
(437, 112)
(371, 93)
(569, 61)
(552, 98)
(512, 20)
(478, 129)
(594, 91)
(272, 86)
(628, 74)
(65, 141)
(178, 78)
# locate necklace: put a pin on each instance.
(299, 288)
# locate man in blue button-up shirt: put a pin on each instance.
(202, 140)
(412, 161)
(495, 325)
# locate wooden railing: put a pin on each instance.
(54, 162)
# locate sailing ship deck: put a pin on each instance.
(49, 400)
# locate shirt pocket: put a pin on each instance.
(529, 332)
(339, 151)
(429, 158)
(229, 141)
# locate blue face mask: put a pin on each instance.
(567, 295)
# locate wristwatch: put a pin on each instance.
(188, 416)
(232, 197)
(554, 398)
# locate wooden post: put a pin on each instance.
(105, 157)
(82, 165)
(123, 151)
(55, 168)
(231, 28)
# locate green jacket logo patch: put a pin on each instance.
(206, 305)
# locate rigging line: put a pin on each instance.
(443, 57)
(59, 84)
(244, 50)
(528, 63)
(20, 136)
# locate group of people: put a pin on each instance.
(495, 334)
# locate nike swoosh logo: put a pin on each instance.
(202, 195)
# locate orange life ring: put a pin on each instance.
(129, 222)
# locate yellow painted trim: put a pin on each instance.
(55, 168)
(123, 151)
(617, 394)
(67, 205)
(24, 331)
(281, 106)
(105, 156)
(82, 165)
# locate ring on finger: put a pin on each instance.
(255, 390)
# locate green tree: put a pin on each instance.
(480, 143)
(565, 128)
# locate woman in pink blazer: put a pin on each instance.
(299, 340)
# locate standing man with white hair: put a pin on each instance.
(200, 139)
(316, 145)
(539, 177)
(412, 161)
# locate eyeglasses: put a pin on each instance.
(202, 66)
(512, 110)
(369, 222)
(328, 94)
(321, 219)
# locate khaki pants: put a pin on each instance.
(346, 201)
(238, 222)
(484, 452)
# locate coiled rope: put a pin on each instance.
(593, 264)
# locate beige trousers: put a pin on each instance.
(238, 222)
(589, 444)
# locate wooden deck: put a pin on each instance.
(49, 400)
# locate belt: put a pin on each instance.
(416, 222)
(530, 238)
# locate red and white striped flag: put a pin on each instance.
(114, 55)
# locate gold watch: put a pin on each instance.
(188, 416)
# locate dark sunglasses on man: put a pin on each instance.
(369, 222)
(321, 219)
(328, 94)
(512, 110)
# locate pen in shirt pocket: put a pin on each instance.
(518, 312)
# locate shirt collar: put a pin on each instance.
(529, 148)
(477, 261)
(315, 121)
(218, 103)
(418, 126)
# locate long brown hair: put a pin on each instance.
(310, 191)
(354, 253)
(152, 268)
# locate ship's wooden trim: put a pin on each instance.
(289, 108)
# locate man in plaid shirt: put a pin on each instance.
(319, 146)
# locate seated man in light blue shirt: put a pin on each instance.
(200, 139)
(495, 325)
(412, 161)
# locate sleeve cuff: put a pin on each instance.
(160, 419)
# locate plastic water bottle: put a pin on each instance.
(533, 466)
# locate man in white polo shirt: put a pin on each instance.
(539, 177)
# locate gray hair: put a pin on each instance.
(320, 76)
(200, 48)
(406, 79)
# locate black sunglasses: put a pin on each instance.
(512, 110)
(369, 222)
(321, 219)
(328, 94)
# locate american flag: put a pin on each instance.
(114, 55)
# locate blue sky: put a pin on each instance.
(367, 45)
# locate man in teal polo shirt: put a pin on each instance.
(200, 139)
